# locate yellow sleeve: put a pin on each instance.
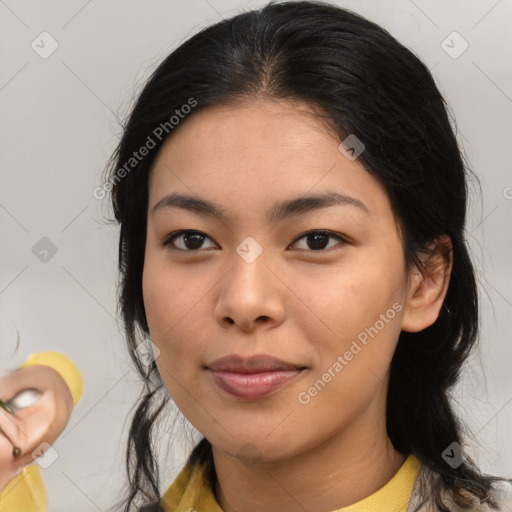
(26, 492)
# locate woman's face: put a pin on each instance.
(254, 282)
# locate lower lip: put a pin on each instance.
(253, 385)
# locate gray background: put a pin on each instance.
(58, 125)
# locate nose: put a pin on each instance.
(250, 295)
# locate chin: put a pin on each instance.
(256, 449)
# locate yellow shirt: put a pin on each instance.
(26, 492)
(188, 492)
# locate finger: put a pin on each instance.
(11, 429)
(6, 407)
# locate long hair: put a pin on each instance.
(365, 83)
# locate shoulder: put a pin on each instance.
(421, 503)
(502, 492)
(504, 496)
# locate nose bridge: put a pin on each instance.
(249, 272)
(249, 291)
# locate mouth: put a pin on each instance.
(252, 378)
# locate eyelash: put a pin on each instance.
(168, 241)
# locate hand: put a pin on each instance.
(29, 427)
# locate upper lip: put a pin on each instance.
(253, 364)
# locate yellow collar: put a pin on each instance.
(189, 492)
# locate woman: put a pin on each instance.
(292, 203)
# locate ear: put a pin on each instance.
(427, 288)
(40, 423)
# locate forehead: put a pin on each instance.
(257, 153)
(259, 127)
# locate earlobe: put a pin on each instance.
(428, 289)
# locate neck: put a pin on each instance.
(339, 472)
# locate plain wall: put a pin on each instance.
(58, 125)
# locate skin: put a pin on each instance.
(29, 427)
(301, 305)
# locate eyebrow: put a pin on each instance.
(280, 210)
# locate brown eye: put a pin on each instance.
(318, 240)
(189, 240)
(193, 241)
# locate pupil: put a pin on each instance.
(317, 240)
(196, 238)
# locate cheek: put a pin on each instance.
(357, 311)
(172, 301)
(167, 303)
(169, 296)
(339, 302)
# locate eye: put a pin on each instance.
(318, 239)
(190, 240)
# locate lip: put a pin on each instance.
(254, 377)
